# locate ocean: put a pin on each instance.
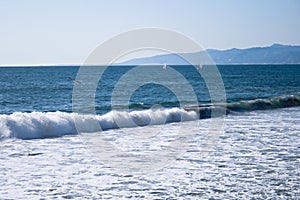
(128, 137)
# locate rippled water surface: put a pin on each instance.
(257, 157)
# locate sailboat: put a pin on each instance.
(165, 66)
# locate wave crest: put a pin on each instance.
(37, 125)
(265, 104)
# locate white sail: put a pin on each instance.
(165, 66)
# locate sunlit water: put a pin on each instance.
(257, 157)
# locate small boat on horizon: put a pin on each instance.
(165, 66)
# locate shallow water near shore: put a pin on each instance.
(256, 157)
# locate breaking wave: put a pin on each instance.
(37, 125)
(265, 104)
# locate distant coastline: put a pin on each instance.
(275, 54)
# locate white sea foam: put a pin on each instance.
(55, 124)
(37, 125)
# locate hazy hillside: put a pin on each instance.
(275, 54)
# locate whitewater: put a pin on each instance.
(38, 125)
(256, 157)
(46, 148)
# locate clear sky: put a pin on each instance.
(66, 31)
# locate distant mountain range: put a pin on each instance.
(275, 54)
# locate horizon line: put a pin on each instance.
(151, 64)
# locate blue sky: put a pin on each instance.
(66, 31)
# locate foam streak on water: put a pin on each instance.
(257, 157)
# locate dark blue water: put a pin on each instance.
(27, 89)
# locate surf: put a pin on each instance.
(39, 125)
